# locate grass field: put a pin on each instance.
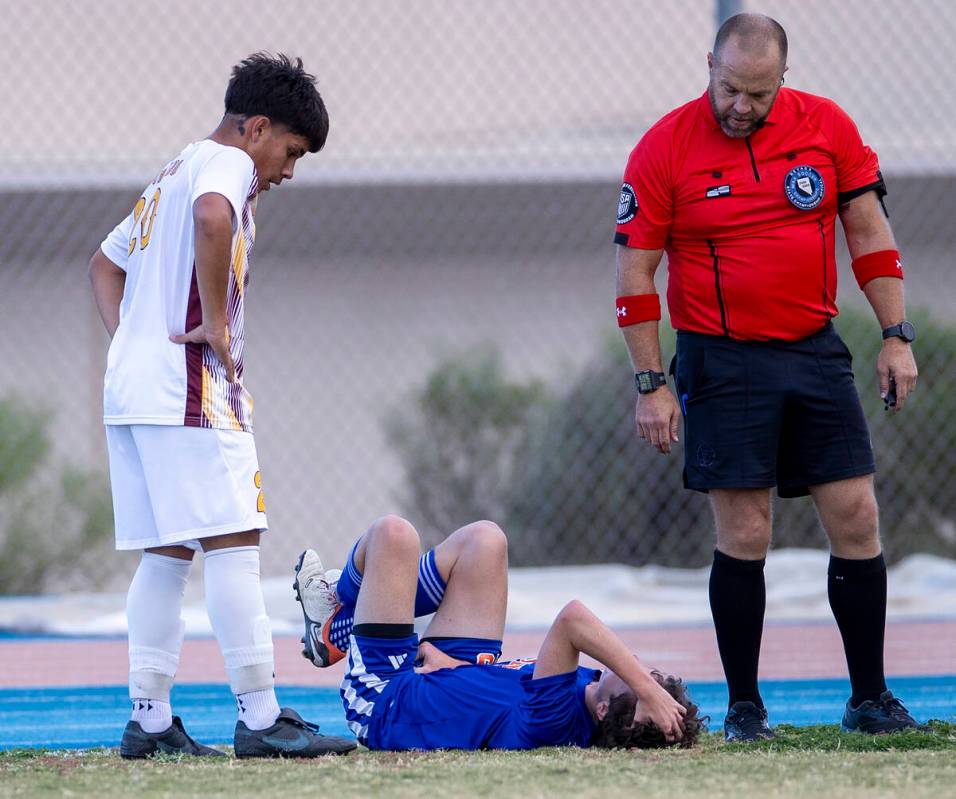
(806, 761)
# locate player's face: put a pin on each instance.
(743, 87)
(610, 685)
(275, 154)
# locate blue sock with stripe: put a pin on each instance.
(428, 595)
(431, 587)
(350, 581)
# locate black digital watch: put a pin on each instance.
(904, 330)
(648, 381)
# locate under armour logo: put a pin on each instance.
(397, 660)
(621, 311)
(899, 265)
(242, 707)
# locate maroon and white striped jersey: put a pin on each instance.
(149, 379)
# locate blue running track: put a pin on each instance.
(84, 717)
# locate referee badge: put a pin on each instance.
(804, 187)
(627, 205)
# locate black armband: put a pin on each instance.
(879, 187)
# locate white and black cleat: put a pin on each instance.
(315, 591)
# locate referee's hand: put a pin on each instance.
(896, 362)
(657, 416)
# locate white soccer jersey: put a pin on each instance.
(150, 379)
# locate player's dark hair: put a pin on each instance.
(278, 87)
(617, 730)
(754, 28)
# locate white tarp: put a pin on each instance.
(920, 587)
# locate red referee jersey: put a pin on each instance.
(748, 224)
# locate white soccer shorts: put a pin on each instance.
(175, 485)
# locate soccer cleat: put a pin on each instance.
(885, 715)
(747, 722)
(290, 736)
(137, 743)
(315, 590)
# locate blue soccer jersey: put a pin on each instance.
(499, 706)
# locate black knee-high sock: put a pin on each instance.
(738, 598)
(857, 591)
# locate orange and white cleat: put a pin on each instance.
(315, 590)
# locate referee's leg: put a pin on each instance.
(737, 590)
(856, 584)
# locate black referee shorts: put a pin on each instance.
(762, 414)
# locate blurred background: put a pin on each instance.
(430, 324)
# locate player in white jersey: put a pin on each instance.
(170, 282)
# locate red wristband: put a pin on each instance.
(638, 308)
(885, 263)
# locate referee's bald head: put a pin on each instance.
(755, 34)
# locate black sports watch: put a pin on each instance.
(648, 381)
(904, 330)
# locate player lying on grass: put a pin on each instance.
(460, 696)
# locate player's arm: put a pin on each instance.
(868, 231)
(577, 630)
(108, 281)
(657, 414)
(212, 221)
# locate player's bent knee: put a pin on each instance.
(489, 536)
(394, 532)
(572, 611)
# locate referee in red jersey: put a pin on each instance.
(741, 187)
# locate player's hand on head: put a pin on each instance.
(218, 340)
(665, 712)
(657, 416)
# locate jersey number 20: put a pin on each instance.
(145, 216)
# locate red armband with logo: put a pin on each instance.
(885, 263)
(638, 308)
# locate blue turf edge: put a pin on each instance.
(94, 716)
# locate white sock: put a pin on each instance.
(153, 609)
(238, 616)
(258, 709)
(153, 715)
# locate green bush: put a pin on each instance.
(459, 438)
(566, 475)
(590, 491)
(55, 520)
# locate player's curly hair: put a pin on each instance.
(278, 87)
(617, 730)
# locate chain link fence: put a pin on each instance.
(430, 324)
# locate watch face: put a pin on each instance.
(907, 331)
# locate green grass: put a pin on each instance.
(807, 761)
